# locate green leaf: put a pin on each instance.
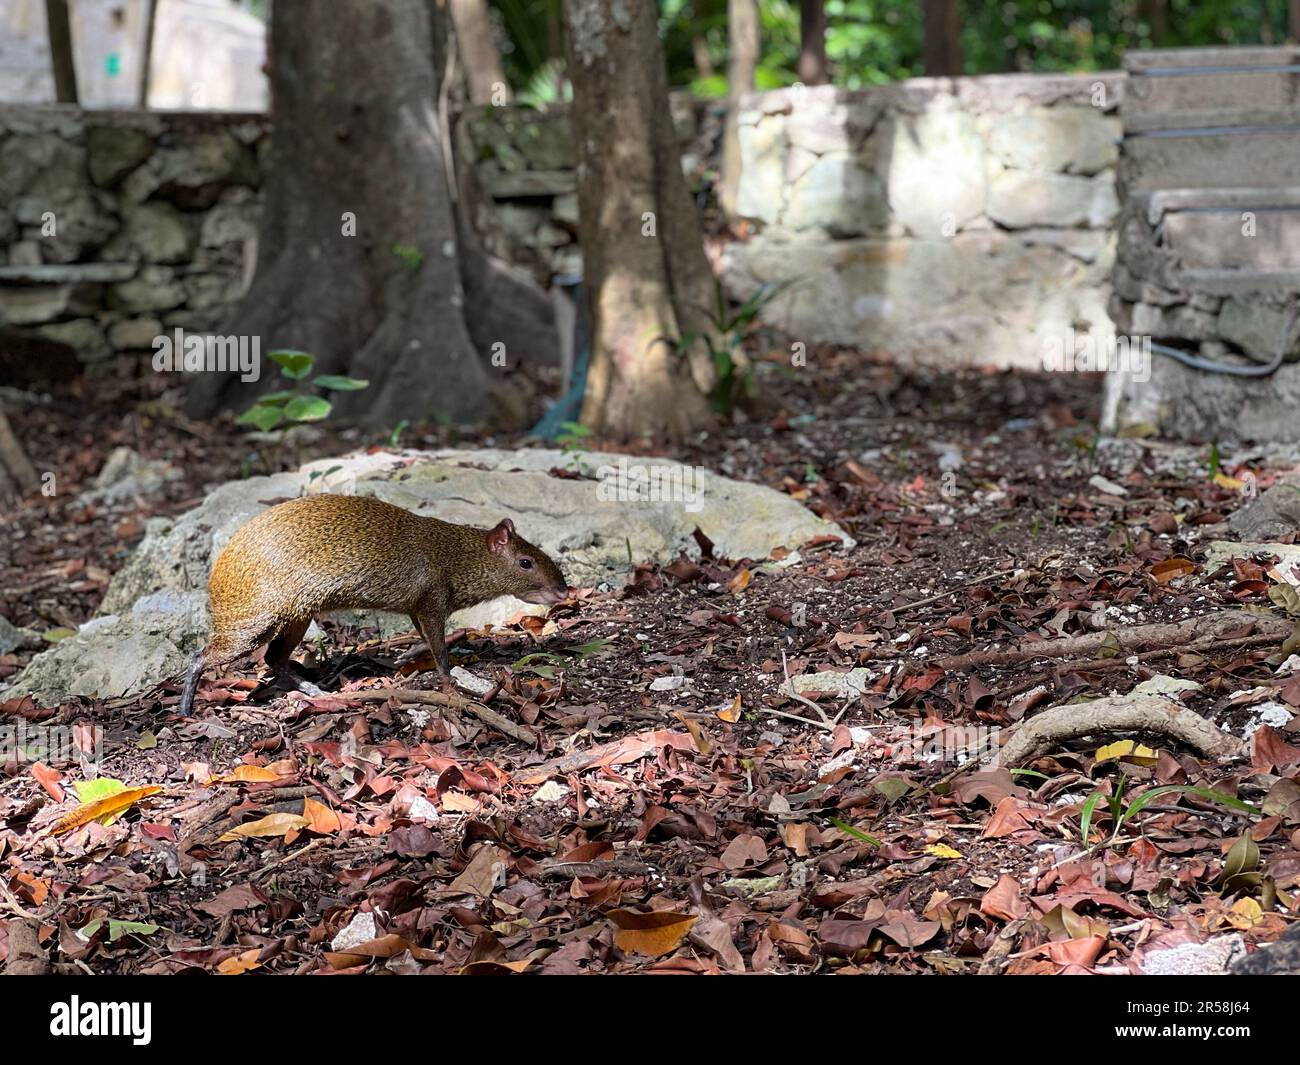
(263, 417)
(99, 788)
(1085, 819)
(339, 383)
(1208, 794)
(55, 635)
(591, 647)
(293, 364)
(856, 833)
(274, 399)
(307, 409)
(117, 929)
(409, 255)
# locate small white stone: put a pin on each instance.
(361, 929)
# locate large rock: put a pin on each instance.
(113, 151)
(837, 194)
(596, 525)
(1279, 958)
(935, 170)
(1019, 199)
(1077, 140)
(159, 233)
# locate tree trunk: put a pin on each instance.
(941, 42)
(812, 68)
(1293, 21)
(648, 281)
(65, 71)
(146, 55)
(478, 49)
(744, 39)
(360, 144)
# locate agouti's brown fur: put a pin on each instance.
(329, 552)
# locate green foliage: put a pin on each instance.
(296, 405)
(572, 435)
(409, 255)
(731, 328)
(1120, 812)
(871, 42)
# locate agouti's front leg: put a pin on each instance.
(431, 620)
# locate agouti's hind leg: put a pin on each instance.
(277, 658)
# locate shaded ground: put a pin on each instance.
(666, 776)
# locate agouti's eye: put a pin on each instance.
(525, 563)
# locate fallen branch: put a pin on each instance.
(1204, 633)
(436, 698)
(1123, 713)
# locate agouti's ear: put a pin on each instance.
(499, 536)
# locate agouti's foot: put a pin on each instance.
(290, 680)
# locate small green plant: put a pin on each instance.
(395, 437)
(409, 256)
(295, 405)
(726, 340)
(571, 436)
(577, 652)
(1215, 461)
(1120, 813)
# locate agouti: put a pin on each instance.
(321, 553)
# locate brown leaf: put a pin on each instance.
(1003, 900)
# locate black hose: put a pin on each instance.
(1210, 366)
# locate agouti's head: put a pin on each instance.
(526, 571)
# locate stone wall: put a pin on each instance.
(116, 226)
(964, 220)
(967, 220)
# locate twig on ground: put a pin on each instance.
(435, 698)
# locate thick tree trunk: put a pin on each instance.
(941, 42)
(483, 71)
(1293, 21)
(744, 40)
(60, 33)
(812, 68)
(649, 284)
(364, 259)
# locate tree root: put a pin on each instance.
(1124, 713)
(26, 958)
(1204, 633)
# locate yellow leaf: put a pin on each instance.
(656, 933)
(109, 806)
(320, 818)
(1224, 481)
(740, 581)
(942, 850)
(1128, 751)
(1245, 914)
(241, 963)
(731, 714)
(457, 802)
(271, 825)
(247, 774)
